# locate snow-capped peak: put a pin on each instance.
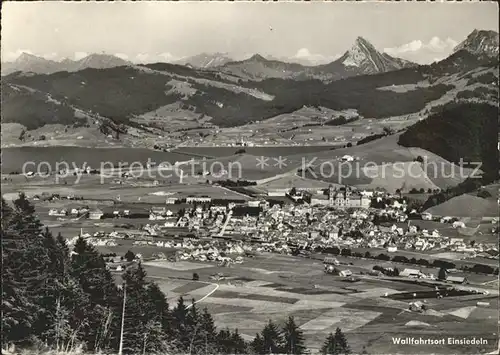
(206, 60)
(480, 42)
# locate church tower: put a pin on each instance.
(331, 193)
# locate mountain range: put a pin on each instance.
(362, 58)
(374, 84)
(205, 60)
(30, 63)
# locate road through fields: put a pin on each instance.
(199, 300)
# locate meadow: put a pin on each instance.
(276, 286)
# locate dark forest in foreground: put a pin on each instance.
(57, 299)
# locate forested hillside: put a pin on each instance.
(123, 92)
(467, 131)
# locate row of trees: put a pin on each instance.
(290, 340)
(61, 299)
(478, 268)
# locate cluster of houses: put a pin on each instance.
(96, 239)
(94, 214)
(346, 220)
(74, 212)
(323, 226)
(191, 249)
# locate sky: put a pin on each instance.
(166, 31)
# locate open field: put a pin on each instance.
(178, 265)
(290, 181)
(276, 286)
(92, 188)
(467, 206)
(381, 163)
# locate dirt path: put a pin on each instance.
(206, 296)
(203, 282)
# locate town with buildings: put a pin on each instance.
(341, 218)
(211, 178)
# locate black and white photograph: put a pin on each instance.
(233, 177)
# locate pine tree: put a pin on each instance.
(162, 314)
(341, 342)
(336, 344)
(180, 311)
(63, 300)
(41, 300)
(208, 333)
(64, 250)
(329, 346)
(136, 310)
(272, 340)
(224, 341)
(16, 305)
(154, 339)
(104, 311)
(157, 318)
(25, 271)
(257, 345)
(24, 218)
(180, 314)
(239, 345)
(293, 338)
(232, 343)
(194, 339)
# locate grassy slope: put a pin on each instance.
(33, 110)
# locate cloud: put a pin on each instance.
(422, 52)
(80, 55)
(439, 45)
(50, 56)
(121, 56)
(304, 55)
(167, 57)
(142, 57)
(408, 47)
(154, 58)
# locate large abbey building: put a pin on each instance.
(343, 197)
